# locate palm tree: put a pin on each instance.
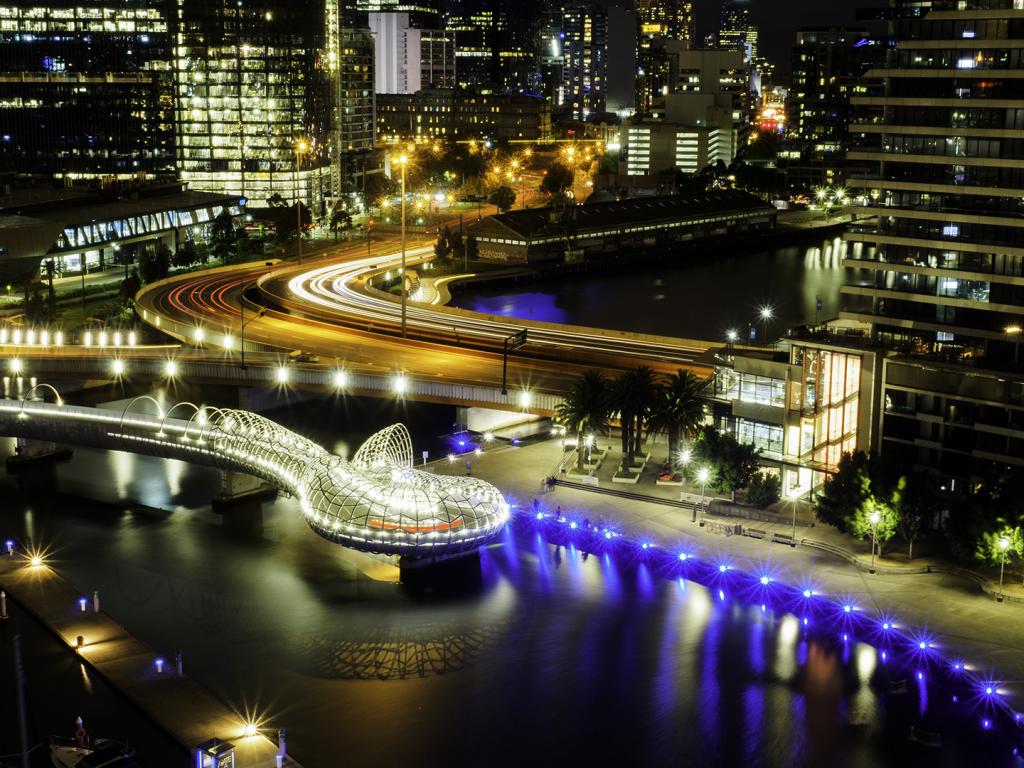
(625, 400)
(647, 392)
(584, 409)
(679, 410)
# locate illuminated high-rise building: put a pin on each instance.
(253, 98)
(737, 28)
(666, 19)
(86, 90)
(937, 248)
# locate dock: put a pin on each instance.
(184, 709)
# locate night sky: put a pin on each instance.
(778, 20)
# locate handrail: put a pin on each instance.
(43, 385)
(133, 401)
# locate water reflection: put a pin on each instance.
(702, 298)
(590, 647)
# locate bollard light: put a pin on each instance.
(10, 546)
(159, 662)
(81, 604)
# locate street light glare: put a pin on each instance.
(767, 312)
(732, 336)
(1004, 543)
(875, 518)
(703, 474)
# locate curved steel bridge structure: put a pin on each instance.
(375, 503)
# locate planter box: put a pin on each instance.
(631, 479)
(676, 483)
(588, 480)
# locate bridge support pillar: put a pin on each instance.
(237, 487)
(490, 419)
(28, 452)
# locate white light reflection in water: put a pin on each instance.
(785, 655)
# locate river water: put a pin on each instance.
(699, 299)
(540, 654)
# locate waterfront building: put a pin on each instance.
(86, 91)
(650, 147)
(828, 66)
(595, 230)
(89, 229)
(447, 113)
(802, 403)
(940, 259)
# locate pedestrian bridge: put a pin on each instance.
(377, 502)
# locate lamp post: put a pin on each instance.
(875, 518)
(702, 477)
(794, 496)
(403, 161)
(766, 313)
(1004, 546)
(243, 322)
(300, 146)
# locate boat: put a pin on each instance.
(101, 753)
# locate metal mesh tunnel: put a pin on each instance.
(378, 502)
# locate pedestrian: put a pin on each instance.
(558, 514)
(469, 467)
(536, 506)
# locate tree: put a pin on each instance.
(678, 410)
(733, 464)
(503, 197)
(442, 248)
(878, 519)
(285, 221)
(1004, 542)
(584, 410)
(764, 490)
(222, 237)
(154, 265)
(557, 180)
(377, 187)
(276, 201)
(51, 294)
(844, 492)
(130, 286)
(625, 398)
(340, 221)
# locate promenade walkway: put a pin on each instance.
(920, 593)
(180, 706)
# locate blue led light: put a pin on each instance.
(989, 690)
(645, 545)
(723, 568)
(540, 515)
(721, 595)
(766, 580)
(572, 525)
(683, 557)
(808, 593)
(607, 534)
(886, 625)
(986, 724)
(847, 608)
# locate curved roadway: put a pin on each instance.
(326, 307)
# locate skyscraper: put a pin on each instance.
(253, 98)
(584, 58)
(666, 19)
(828, 67)
(939, 240)
(86, 91)
(666, 27)
(737, 28)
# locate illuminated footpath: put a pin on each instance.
(375, 503)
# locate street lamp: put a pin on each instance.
(300, 146)
(875, 518)
(702, 477)
(766, 313)
(1004, 547)
(403, 161)
(794, 495)
(242, 321)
